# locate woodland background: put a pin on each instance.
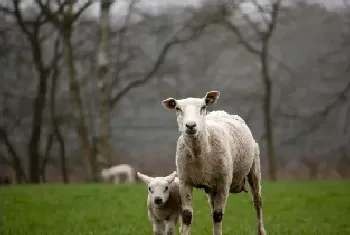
(82, 83)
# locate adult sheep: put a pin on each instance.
(215, 151)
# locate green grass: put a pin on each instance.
(295, 208)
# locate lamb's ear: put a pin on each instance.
(144, 178)
(211, 97)
(169, 103)
(170, 178)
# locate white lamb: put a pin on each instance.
(117, 171)
(215, 151)
(163, 202)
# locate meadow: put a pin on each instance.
(290, 208)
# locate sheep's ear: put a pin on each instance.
(169, 103)
(144, 178)
(211, 97)
(170, 178)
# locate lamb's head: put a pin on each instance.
(190, 112)
(158, 187)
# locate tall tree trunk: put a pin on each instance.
(267, 110)
(56, 128)
(46, 157)
(34, 143)
(75, 99)
(103, 143)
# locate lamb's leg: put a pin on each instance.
(170, 227)
(218, 203)
(158, 227)
(187, 207)
(254, 179)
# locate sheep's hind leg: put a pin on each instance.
(218, 203)
(254, 179)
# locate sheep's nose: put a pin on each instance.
(191, 125)
(158, 200)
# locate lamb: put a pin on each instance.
(215, 151)
(163, 203)
(116, 171)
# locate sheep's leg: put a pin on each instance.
(187, 207)
(211, 202)
(170, 227)
(254, 179)
(158, 227)
(116, 179)
(218, 203)
(180, 225)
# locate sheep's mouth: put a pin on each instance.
(190, 132)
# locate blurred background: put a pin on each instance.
(82, 83)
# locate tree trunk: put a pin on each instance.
(34, 143)
(56, 126)
(103, 143)
(95, 175)
(16, 161)
(75, 99)
(267, 110)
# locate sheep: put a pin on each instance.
(215, 151)
(118, 170)
(163, 202)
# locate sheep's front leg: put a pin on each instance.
(170, 227)
(218, 203)
(158, 227)
(254, 179)
(187, 207)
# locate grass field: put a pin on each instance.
(296, 208)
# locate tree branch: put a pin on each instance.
(159, 61)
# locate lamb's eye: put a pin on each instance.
(149, 189)
(203, 108)
(178, 109)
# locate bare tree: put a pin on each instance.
(63, 19)
(264, 34)
(104, 148)
(33, 31)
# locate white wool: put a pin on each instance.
(164, 216)
(215, 151)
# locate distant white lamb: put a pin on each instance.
(163, 202)
(117, 171)
(215, 151)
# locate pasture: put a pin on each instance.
(290, 208)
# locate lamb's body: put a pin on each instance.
(163, 203)
(215, 151)
(170, 212)
(225, 150)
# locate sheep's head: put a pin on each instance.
(190, 112)
(158, 187)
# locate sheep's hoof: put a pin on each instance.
(239, 188)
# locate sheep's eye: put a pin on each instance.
(166, 188)
(203, 108)
(178, 109)
(149, 189)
